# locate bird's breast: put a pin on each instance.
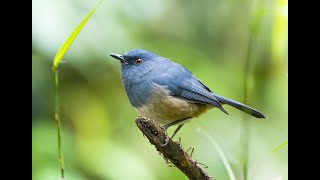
(164, 108)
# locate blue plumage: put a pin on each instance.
(166, 91)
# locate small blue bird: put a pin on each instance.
(167, 92)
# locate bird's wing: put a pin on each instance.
(183, 84)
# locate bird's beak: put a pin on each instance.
(119, 57)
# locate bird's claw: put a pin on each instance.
(166, 141)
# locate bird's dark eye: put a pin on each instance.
(138, 61)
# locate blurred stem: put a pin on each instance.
(221, 154)
(246, 122)
(58, 120)
(254, 28)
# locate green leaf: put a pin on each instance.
(280, 146)
(64, 48)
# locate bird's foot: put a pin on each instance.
(166, 141)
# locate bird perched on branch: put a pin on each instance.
(167, 92)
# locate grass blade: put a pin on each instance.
(221, 154)
(57, 60)
(64, 48)
(280, 146)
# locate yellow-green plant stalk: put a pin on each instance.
(57, 60)
(280, 146)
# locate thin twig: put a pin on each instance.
(172, 151)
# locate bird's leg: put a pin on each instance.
(175, 131)
(165, 127)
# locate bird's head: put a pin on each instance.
(135, 57)
(138, 62)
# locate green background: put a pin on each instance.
(212, 38)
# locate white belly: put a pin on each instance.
(166, 109)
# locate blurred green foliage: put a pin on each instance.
(209, 37)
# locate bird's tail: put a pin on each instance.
(240, 106)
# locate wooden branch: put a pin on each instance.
(172, 151)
